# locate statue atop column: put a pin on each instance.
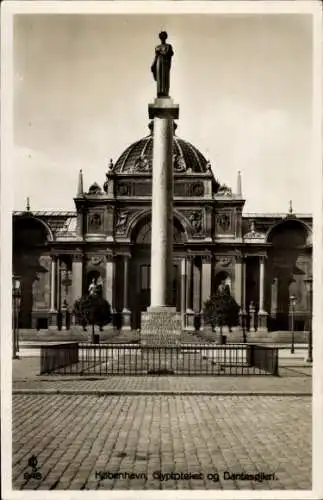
(161, 65)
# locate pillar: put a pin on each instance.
(162, 212)
(77, 277)
(109, 280)
(262, 314)
(206, 276)
(58, 287)
(261, 283)
(189, 282)
(53, 284)
(52, 316)
(110, 283)
(244, 286)
(197, 293)
(189, 324)
(161, 325)
(126, 313)
(183, 290)
(238, 292)
(196, 287)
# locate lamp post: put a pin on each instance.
(292, 301)
(309, 288)
(15, 314)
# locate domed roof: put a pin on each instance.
(138, 157)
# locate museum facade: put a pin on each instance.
(264, 258)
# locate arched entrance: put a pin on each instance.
(140, 270)
(289, 264)
(31, 263)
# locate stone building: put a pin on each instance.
(265, 258)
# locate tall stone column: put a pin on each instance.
(196, 293)
(77, 277)
(161, 324)
(58, 288)
(162, 208)
(262, 314)
(244, 286)
(183, 290)
(52, 315)
(126, 313)
(110, 280)
(110, 283)
(206, 277)
(53, 285)
(238, 292)
(189, 295)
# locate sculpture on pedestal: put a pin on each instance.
(161, 65)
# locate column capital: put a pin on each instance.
(77, 257)
(239, 258)
(189, 258)
(163, 107)
(206, 259)
(110, 257)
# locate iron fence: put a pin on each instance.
(132, 359)
(58, 356)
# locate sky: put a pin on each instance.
(82, 84)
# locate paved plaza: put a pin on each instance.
(165, 432)
(82, 441)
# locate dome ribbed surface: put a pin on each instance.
(192, 159)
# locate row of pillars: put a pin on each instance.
(188, 286)
(56, 284)
(77, 281)
(240, 290)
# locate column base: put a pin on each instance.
(190, 320)
(160, 326)
(262, 321)
(201, 322)
(126, 319)
(52, 320)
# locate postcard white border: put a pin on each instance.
(9, 9)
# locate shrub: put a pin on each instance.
(92, 310)
(221, 309)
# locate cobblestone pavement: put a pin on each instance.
(295, 379)
(121, 442)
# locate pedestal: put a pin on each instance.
(252, 313)
(262, 321)
(52, 320)
(190, 320)
(126, 319)
(160, 326)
